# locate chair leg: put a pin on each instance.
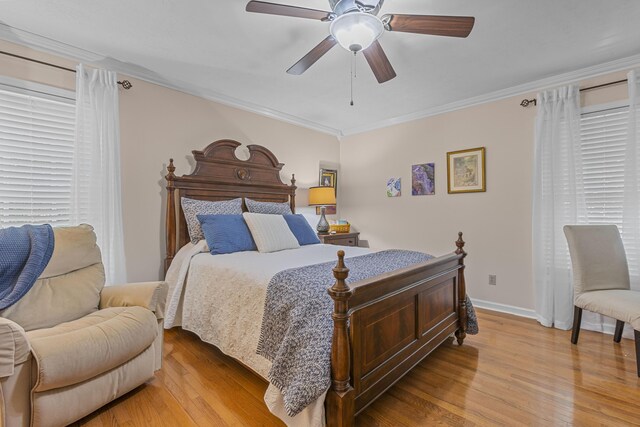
(617, 335)
(577, 319)
(637, 336)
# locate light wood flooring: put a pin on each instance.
(514, 372)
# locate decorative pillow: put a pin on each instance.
(270, 232)
(301, 229)
(226, 234)
(192, 208)
(268, 207)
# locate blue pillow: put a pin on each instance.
(226, 234)
(301, 229)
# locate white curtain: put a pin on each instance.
(97, 189)
(558, 200)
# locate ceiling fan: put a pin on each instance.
(355, 25)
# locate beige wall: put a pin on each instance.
(25, 70)
(496, 224)
(158, 123)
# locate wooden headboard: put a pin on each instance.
(220, 175)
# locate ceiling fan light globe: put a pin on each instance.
(356, 31)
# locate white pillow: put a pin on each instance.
(270, 232)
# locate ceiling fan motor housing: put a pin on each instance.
(340, 7)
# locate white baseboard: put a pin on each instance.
(606, 328)
(504, 308)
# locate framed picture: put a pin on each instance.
(466, 171)
(329, 178)
(423, 180)
(394, 187)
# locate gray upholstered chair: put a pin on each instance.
(601, 279)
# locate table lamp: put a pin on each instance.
(323, 197)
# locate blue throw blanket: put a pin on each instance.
(24, 253)
(297, 326)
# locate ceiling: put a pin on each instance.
(216, 49)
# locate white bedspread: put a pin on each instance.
(221, 299)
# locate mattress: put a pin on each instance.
(221, 299)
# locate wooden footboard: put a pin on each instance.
(385, 325)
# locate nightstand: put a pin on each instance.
(342, 239)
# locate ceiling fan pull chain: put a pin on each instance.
(355, 66)
(353, 72)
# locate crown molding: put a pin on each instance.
(535, 86)
(46, 44)
(251, 107)
(41, 43)
(55, 47)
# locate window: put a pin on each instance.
(603, 135)
(37, 133)
(60, 162)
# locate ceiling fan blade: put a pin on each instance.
(285, 10)
(310, 58)
(379, 62)
(452, 26)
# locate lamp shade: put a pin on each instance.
(322, 196)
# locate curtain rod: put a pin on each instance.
(126, 84)
(527, 102)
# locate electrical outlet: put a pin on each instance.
(492, 279)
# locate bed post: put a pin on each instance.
(171, 216)
(340, 398)
(292, 197)
(462, 292)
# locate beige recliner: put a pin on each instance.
(70, 346)
(601, 279)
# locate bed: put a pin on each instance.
(382, 326)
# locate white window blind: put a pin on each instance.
(36, 156)
(603, 142)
